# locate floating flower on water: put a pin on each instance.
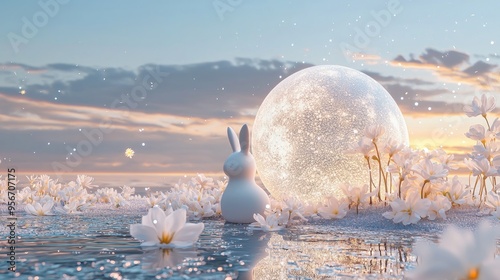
(334, 209)
(40, 209)
(270, 223)
(461, 254)
(480, 107)
(129, 153)
(408, 211)
(160, 229)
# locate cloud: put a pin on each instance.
(449, 59)
(452, 66)
(181, 119)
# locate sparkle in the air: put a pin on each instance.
(303, 129)
(129, 153)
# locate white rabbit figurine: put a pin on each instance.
(242, 197)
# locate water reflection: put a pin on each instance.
(320, 255)
(157, 258)
(245, 246)
(98, 246)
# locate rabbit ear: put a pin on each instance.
(233, 140)
(245, 139)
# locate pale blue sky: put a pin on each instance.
(131, 33)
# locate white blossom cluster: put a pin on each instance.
(45, 196)
(200, 197)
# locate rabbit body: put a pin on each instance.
(242, 197)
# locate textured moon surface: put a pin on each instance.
(303, 129)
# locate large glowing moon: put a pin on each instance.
(303, 129)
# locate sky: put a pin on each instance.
(82, 81)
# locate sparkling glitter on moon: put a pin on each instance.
(303, 129)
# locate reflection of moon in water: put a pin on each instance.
(303, 129)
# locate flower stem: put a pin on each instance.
(400, 183)
(487, 122)
(474, 189)
(422, 191)
(381, 172)
(371, 178)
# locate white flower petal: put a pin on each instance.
(187, 235)
(144, 233)
(30, 209)
(175, 221)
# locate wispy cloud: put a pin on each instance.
(454, 66)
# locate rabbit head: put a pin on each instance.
(240, 164)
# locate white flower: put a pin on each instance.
(477, 132)
(460, 254)
(495, 128)
(118, 201)
(158, 229)
(85, 181)
(374, 132)
(155, 199)
(480, 107)
(430, 171)
(439, 206)
(294, 207)
(334, 209)
(408, 211)
(356, 195)
(270, 223)
(40, 209)
(73, 207)
(456, 192)
(364, 146)
(201, 209)
(203, 181)
(312, 210)
(106, 195)
(392, 147)
(488, 150)
(493, 200)
(127, 192)
(482, 167)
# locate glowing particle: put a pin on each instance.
(23, 92)
(129, 153)
(492, 42)
(143, 144)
